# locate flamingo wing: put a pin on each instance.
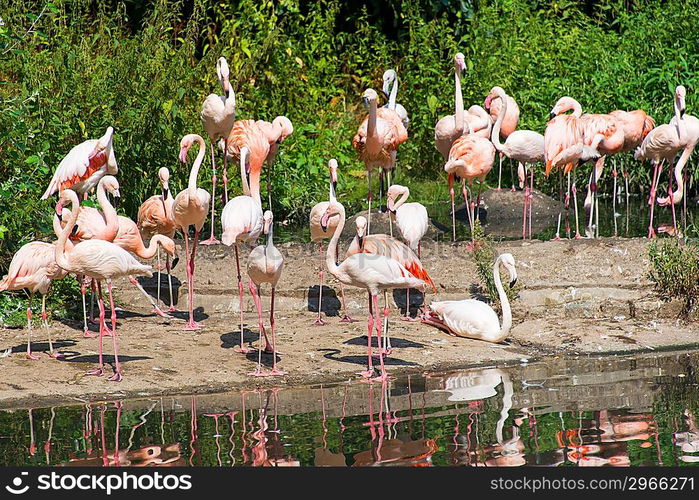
(80, 164)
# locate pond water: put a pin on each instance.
(634, 410)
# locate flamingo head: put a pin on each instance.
(389, 76)
(285, 126)
(369, 96)
(494, 93)
(332, 166)
(66, 197)
(111, 185)
(680, 94)
(164, 176)
(268, 219)
(185, 144)
(452, 166)
(459, 62)
(332, 210)
(223, 73)
(361, 223)
(393, 193)
(508, 261)
(168, 246)
(564, 104)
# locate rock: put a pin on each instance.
(379, 224)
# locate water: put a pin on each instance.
(636, 410)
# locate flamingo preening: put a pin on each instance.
(371, 272)
(390, 90)
(377, 141)
(190, 208)
(217, 115)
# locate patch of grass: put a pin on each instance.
(484, 255)
(675, 271)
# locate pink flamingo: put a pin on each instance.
(265, 265)
(523, 146)
(411, 218)
(189, 209)
(390, 81)
(662, 144)
(318, 235)
(494, 106)
(474, 318)
(101, 261)
(83, 167)
(242, 216)
(276, 133)
(471, 157)
(155, 217)
(377, 141)
(374, 274)
(217, 115)
(34, 267)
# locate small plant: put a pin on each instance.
(675, 271)
(484, 255)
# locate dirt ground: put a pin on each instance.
(578, 298)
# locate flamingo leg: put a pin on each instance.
(159, 272)
(626, 192)
(672, 203)
(275, 370)
(225, 169)
(526, 203)
(369, 197)
(614, 176)
(258, 305)
(242, 348)
(345, 317)
(575, 202)
(169, 283)
(453, 210)
(389, 176)
(651, 201)
(512, 175)
(212, 239)
(383, 375)
(500, 173)
(45, 321)
(100, 369)
(156, 307)
(191, 324)
(531, 200)
(387, 339)
(29, 332)
(117, 373)
(684, 201)
(465, 194)
(370, 329)
(83, 290)
(319, 320)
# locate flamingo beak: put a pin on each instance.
(183, 155)
(513, 282)
(486, 103)
(552, 115)
(360, 239)
(59, 210)
(324, 222)
(175, 261)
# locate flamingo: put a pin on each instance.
(242, 216)
(411, 218)
(377, 141)
(276, 133)
(34, 267)
(473, 318)
(265, 265)
(388, 246)
(189, 209)
(662, 144)
(155, 217)
(509, 124)
(390, 81)
(318, 235)
(471, 157)
(373, 273)
(101, 261)
(129, 238)
(83, 167)
(523, 146)
(217, 115)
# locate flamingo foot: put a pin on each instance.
(32, 356)
(172, 309)
(382, 352)
(409, 318)
(497, 189)
(97, 372)
(556, 238)
(242, 349)
(116, 377)
(513, 189)
(577, 236)
(160, 313)
(210, 241)
(192, 326)
(277, 372)
(651, 233)
(367, 374)
(319, 322)
(56, 355)
(347, 319)
(259, 373)
(88, 334)
(380, 378)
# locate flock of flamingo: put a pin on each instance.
(99, 246)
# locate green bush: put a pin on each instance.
(484, 255)
(675, 271)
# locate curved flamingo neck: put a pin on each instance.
(681, 128)
(394, 94)
(495, 134)
(504, 302)
(110, 215)
(458, 104)
(244, 152)
(331, 251)
(403, 198)
(61, 259)
(577, 108)
(371, 125)
(194, 173)
(149, 252)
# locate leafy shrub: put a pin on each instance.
(675, 271)
(484, 255)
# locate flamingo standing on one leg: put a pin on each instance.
(318, 235)
(390, 81)
(377, 141)
(276, 133)
(155, 217)
(217, 115)
(473, 318)
(34, 267)
(190, 209)
(373, 273)
(265, 265)
(662, 144)
(494, 105)
(471, 157)
(242, 216)
(101, 261)
(523, 146)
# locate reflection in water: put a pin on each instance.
(612, 412)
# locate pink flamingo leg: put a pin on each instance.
(242, 348)
(531, 201)
(225, 169)
(499, 174)
(258, 305)
(191, 324)
(672, 203)
(169, 283)
(345, 317)
(524, 216)
(45, 320)
(370, 329)
(651, 200)
(575, 202)
(275, 370)
(370, 197)
(319, 320)
(83, 289)
(387, 350)
(153, 303)
(450, 181)
(29, 337)
(117, 374)
(100, 370)
(212, 240)
(379, 326)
